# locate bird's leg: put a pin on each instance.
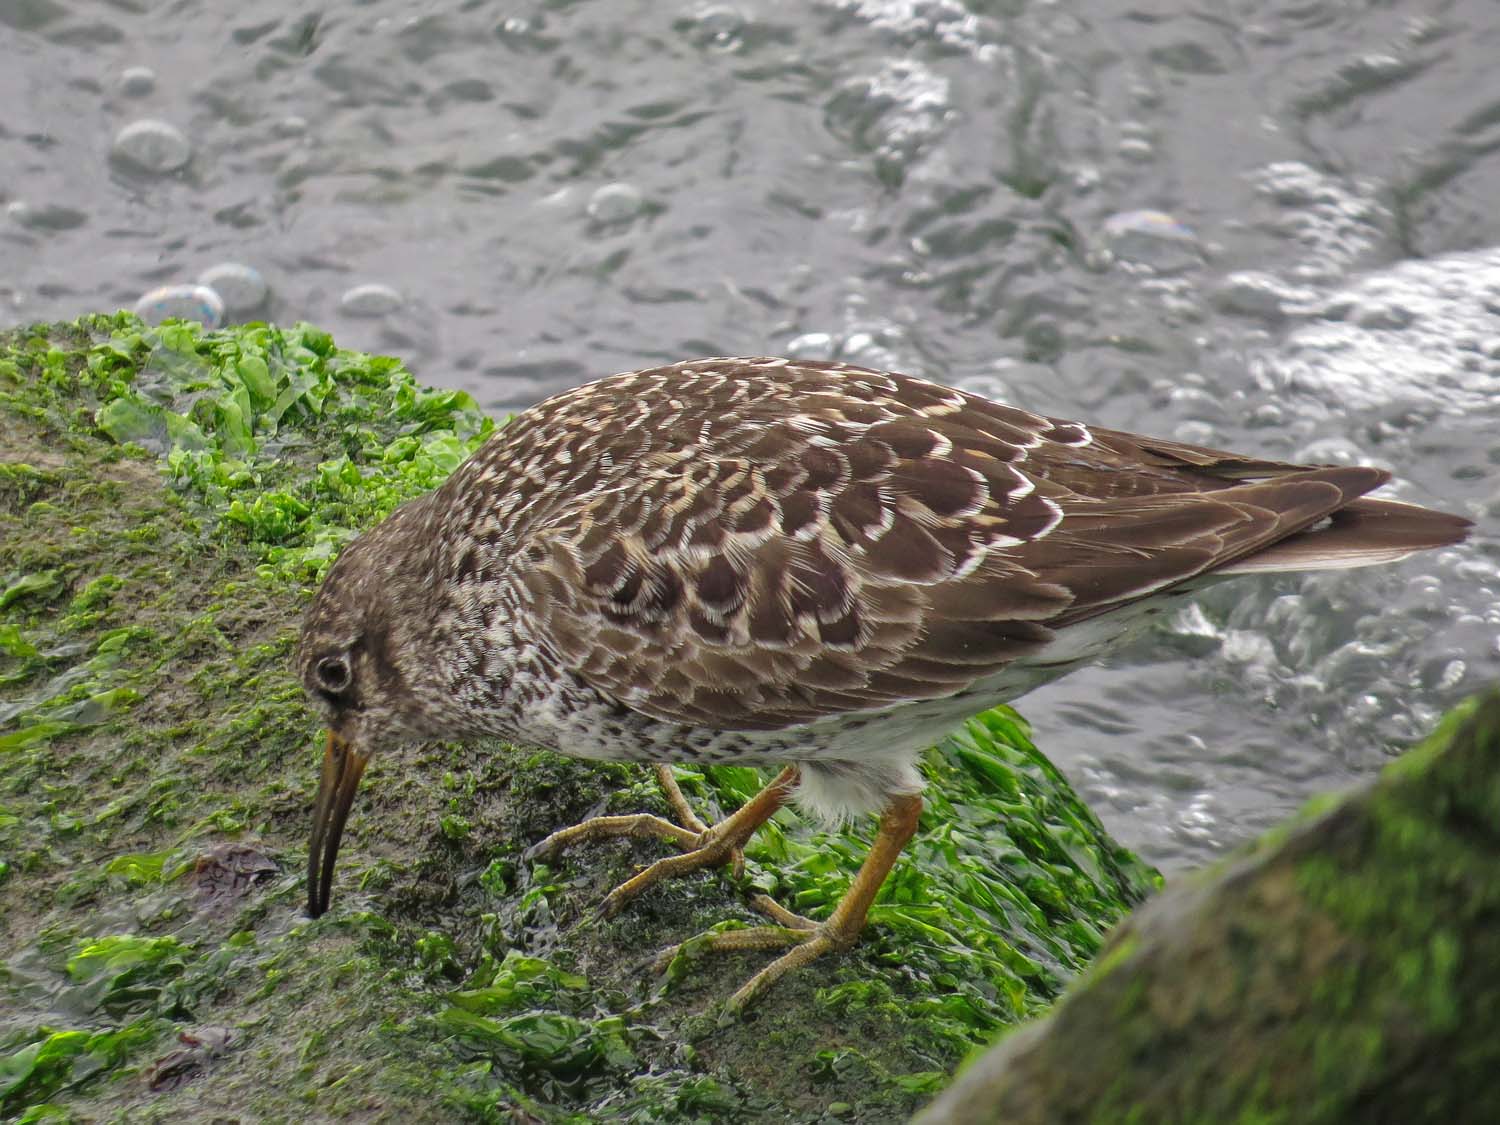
(685, 814)
(703, 846)
(840, 931)
(760, 901)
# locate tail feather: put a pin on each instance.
(1362, 533)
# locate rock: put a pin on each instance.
(161, 763)
(1341, 971)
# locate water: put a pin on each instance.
(1267, 226)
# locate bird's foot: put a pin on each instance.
(808, 941)
(717, 846)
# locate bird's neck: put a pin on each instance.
(460, 653)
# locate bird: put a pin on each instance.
(773, 561)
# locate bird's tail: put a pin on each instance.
(1362, 533)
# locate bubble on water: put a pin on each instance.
(1196, 401)
(1198, 818)
(371, 300)
(184, 302)
(49, 216)
(1425, 595)
(152, 146)
(615, 203)
(1269, 414)
(1248, 649)
(1193, 632)
(896, 112)
(242, 287)
(1336, 222)
(874, 348)
(1261, 295)
(1152, 239)
(717, 28)
(1381, 314)
(1411, 337)
(985, 385)
(137, 81)
(1444, 673)
(1196, 432)
(949, 22)
(811, 345)
(1330, 451)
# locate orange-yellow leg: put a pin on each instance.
(840, 931)
(703, 846)
(764, 903)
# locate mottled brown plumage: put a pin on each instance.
(762, 559)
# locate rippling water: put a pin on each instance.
(1269, 226)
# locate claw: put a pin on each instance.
(702, 846)
(808, 940)
(724, 844)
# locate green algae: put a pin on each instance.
(167, 500)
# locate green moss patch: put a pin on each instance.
(168, 498)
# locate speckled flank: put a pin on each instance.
(738, 559)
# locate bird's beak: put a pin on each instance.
(342, 767)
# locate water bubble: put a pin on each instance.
(49, 216)
(1330, 451)
(811, 345)
(153, 146)
(615, 203)
(1382, 314)
(1152, 238)
(184, 302)
(137, 81)
(987, 386)
(718, 27)
(290, 126)
(371, 300)
(242, 287)
(1195, 432)
(1424, 594)
(1267, 414)
(1444, 673)
(1260, 295)
(1334, 222)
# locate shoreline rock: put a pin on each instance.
(168, 497)
(1343, 969)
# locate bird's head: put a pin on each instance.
(354, 661)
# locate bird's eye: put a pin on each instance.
(333, 674)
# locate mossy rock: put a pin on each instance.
(1343, 970)
(168, 500)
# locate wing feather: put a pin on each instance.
(794, 540)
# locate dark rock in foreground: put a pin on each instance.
(1345, 970)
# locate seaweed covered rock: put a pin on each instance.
(1344, 970)
(168, 499)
